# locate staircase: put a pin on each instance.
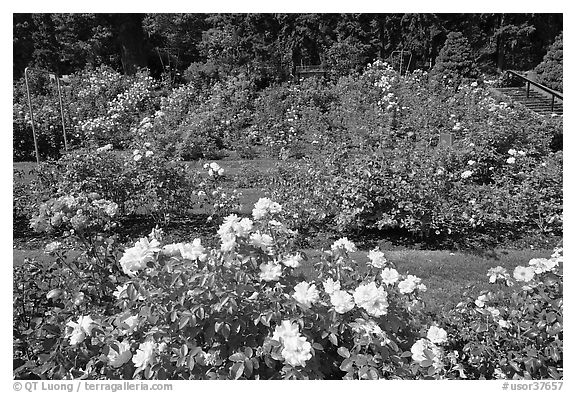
(532, 94)
(538, 102)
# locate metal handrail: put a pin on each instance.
(529, 82)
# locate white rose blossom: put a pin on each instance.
(306, 294)
(78, 331)
(418, 354)
(296, 350)
(270, 271)
(542, 265)
(118, 358)
(136, 258)
(261, 240)
(193, 251)
(481, 301)
(524, 273)
(145, 354)
(330, 285)
(292, 260)
(342, 301)
(377, 258)
(53, 246)
(389, 276)
(372, 298)
(437, 335)
(264, 207)
(345, 244)
(409, 284)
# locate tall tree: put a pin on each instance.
(550, 70)
(130, 35)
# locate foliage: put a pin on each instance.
(549, 71)
(455, 58)
(199, 122)
(248, 315)
(500, 179)
(100, 106)
(269, 45)
(182, 311)
(499, 335)
(145, 183)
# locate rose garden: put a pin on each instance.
(223, 230)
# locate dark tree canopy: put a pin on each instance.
(271, 44)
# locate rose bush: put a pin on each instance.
(398, 177)
(499, 335)
(241, 311)
(145, 183)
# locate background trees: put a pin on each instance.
(550, 70)
(271, 45)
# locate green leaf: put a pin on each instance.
(195, 351)
(333, 339)
(426, 363)
(236, 370)
(183, 321)
(225, 331)
(148, 372)
(132, 293)
(344, 352)
(237, 357)
(347, 365)
(248, 368)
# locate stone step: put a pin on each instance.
(536, 102)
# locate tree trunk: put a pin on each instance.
(131, 40)
(500, 46)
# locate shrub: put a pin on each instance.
(100, 106)
(397, 177)
(182, 311)
(549, 71)
(499, 335)
(145, 183)
(195, 123)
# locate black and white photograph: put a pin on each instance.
(286, 196)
